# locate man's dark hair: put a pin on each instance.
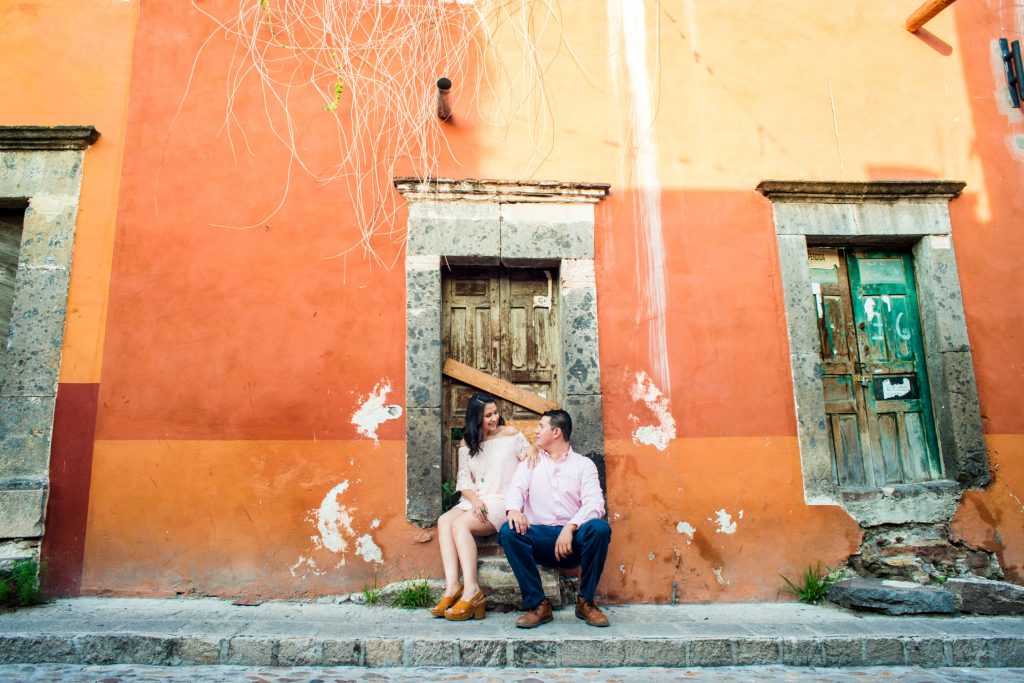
(560, 419)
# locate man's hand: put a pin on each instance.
(563, 544)
(518, 521)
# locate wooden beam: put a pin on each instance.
(925, 13)
(498, 387)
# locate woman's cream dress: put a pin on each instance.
(489, 473)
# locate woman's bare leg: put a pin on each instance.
(464, 529)
(449, 553)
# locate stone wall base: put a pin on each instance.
(922, 553)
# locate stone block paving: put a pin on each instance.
(68, 673)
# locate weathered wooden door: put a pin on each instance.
(874, 378)
(502, 321)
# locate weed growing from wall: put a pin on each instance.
(20, 586)
(812, 586)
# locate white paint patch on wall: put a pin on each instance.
(660, 434)
(373, 412)
(333, 521)
(687, 529)
(627, 28)
(368, 549)
(310, 567)
(724, 521)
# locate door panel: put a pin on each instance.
(503, 322)
(873, 376)
(887, 324)
(844, 403)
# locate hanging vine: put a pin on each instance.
(373, 65)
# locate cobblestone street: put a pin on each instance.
(44, 673)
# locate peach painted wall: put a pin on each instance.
(233, 360)
(69, 64)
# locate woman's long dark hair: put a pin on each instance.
(473, 431)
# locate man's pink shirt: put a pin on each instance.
(557, 493)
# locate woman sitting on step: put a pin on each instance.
(489, 454)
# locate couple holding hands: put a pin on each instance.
(545, 503)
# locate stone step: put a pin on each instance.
(982, 596)
(98, 631)
(892, 597)
(502, 590)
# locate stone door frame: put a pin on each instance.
(489, 223)
(40, 169)
(909, 213)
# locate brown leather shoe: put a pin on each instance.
(590, 613)
(541, 614)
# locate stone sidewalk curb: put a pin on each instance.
(207, 631)
(159, 650)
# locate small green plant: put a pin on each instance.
(449, 496)
(416, 594)
(372, 595)
(20, 587)
(813, 584)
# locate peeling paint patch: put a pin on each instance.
(310, 567)
(368, 549)
(622, 568)
(333, 521)
(373, 412)
(686, 528)
(718, 576)
(724, 521)
(658, 435)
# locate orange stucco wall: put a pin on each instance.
(230, 362)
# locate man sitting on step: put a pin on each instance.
(553, 517)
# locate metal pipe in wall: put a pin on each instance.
(444, 99)
(925, 13)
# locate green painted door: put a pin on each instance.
(873, 371)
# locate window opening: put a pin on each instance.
(12, 221)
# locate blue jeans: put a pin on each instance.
(537, 546)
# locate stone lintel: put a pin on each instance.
(845, 192)
(35, 138)
(500, 191)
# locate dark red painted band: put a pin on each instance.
(74, 431)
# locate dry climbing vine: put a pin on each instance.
(373, 65)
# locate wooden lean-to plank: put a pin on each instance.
(498, 387)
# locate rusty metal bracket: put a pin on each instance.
(1014, 70)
